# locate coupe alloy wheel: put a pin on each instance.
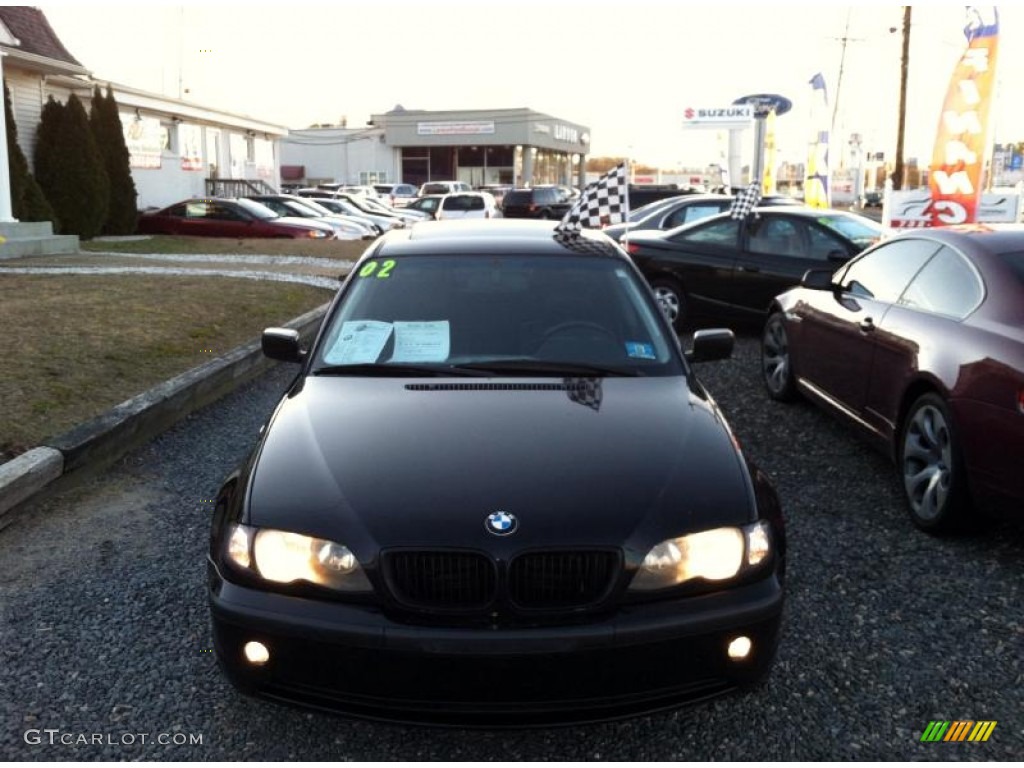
(930, 466)
(775, 362)
(670, 299)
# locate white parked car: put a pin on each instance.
(396, 195)
(358, 189)
(467, 205)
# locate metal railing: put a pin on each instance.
(238, 187)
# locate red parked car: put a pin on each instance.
(228, 217)
(919, 344)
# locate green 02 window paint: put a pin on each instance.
(370, 269)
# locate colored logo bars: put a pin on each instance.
(958, 730)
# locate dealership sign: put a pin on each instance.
(915, 209)
(735, 116)
(145, 140)
(763, 103)
(455, 128)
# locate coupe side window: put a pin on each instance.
(824, 243)
(690, 213)
(883, 274)
(946, 286)
(724, 233)
(778, 237)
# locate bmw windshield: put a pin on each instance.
(503, 315)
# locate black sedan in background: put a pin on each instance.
(676, 211)
(495, 493)
(541, 202)
(919, 345)
(722, 263)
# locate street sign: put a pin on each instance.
(763, 103)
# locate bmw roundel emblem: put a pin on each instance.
(502, 523)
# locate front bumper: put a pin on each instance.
(355, 660)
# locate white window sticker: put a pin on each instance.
(421, 342)
(360, 341)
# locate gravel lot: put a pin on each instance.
(104, 632)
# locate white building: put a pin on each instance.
(178, 149)
(492, 146)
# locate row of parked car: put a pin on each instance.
(312, 214)
(352, 212)
(346, 213)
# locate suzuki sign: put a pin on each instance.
(719, 118)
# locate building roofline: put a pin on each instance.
(42, 64)
(419, 113)
(130, 97)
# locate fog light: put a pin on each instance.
(739, 648)
(258, 654)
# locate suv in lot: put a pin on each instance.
(545, 202)
(397, 195)
(444, 188)
(464, 205)
(873, 198)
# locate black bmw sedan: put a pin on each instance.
(495, 493)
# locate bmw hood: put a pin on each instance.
(424, 462)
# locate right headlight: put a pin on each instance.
(716, 555)
(284, 557)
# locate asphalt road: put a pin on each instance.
(105, 643)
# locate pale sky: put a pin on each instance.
(626, 70)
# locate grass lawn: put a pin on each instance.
(74, 345)
(336, 249)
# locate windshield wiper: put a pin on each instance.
(397, 370)
(527, 366)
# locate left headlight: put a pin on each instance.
(285, 557)
(715, 555)
(317, 234)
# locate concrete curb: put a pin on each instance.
(108, 437)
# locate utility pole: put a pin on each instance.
(842, 64)
(897, 171)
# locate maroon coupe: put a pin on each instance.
(228, 217)
(919, 343)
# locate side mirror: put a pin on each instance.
(711, 344)
(838, 256)
(818, 279)
(282, 344)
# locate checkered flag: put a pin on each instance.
(604, 202)
(745, 202)
(585, 391)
